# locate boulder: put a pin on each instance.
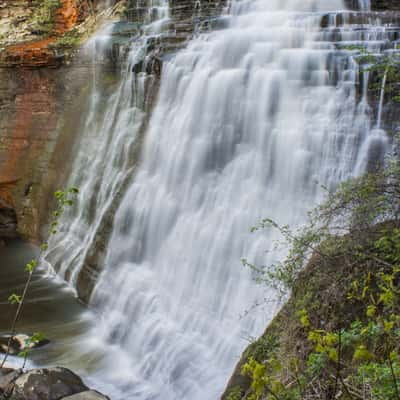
(47, 384)
(7, 379)
(88, 395)
(5, 371)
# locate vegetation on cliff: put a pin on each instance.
(338, 336)
(43, 19)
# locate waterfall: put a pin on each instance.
(364, 5)
(249, 121)
(381, 100)
(110, 135)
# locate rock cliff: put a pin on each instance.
(43, 84)
(42, 90)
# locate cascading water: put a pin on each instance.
(248, 121)
(104, 154)
(364, 5)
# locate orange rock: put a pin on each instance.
(66, 16)
(34, 110)
(38, 53)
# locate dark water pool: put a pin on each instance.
(51, 308)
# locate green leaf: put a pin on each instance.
(24, 353)
(30, 267)
(14, 299)
(36, 338)
(371, 311)
(362, 354)
(59, 194)
(74, 190)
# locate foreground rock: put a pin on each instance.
(7, 380)
(88, 395)
(45, 384)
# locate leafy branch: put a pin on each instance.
(64, 199)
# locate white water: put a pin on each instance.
(364, 5)
(249, 120)
(104, 154)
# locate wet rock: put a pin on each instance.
(47, 384)
(8, 223)
(389, 5)
(19, 343)
(376, 5)
(7, 380)
(5, 371)
(88, 395)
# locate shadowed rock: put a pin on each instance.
(8, 223)
(47, 384)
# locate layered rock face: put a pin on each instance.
(42, 25)
(40, 96)
(387, 5)
(376, 5)
(41, 99)
(38, 122)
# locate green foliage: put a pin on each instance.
(63, 199)
(379, 377)
(384, 71)
(30, 267)
(71, 38)
(14, 299)
(356, 206)
(235, 393)
(42, 21)
(36, 338)
(355, 354)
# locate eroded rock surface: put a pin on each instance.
(88, 395)
(47, 384)
(42, 95)
(376, 5)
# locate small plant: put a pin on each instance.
(346, 347)
(384, 70)
(71, 38)
(64, 199)
(42, 20)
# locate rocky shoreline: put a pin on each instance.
(45, 384)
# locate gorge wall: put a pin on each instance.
(39, 83)
(37, 93)
(48, 85)
(43, 85)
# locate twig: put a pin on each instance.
(338, 364)
(396, 387)
(16, 317)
